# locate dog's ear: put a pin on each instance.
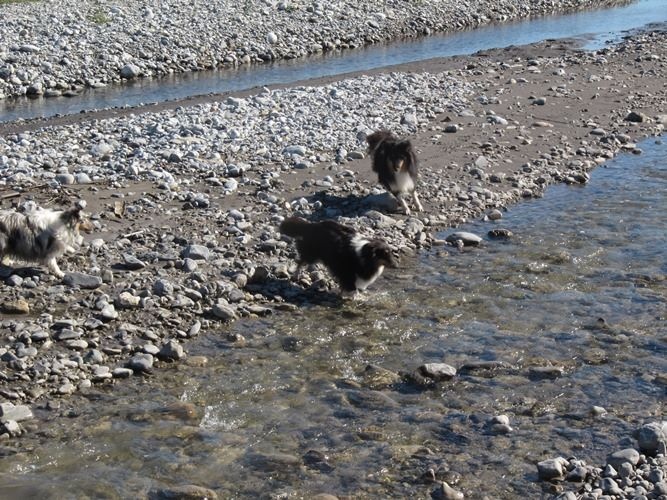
(404, 147)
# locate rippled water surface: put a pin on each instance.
(600, 26)
(297, 410)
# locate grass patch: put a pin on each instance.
(98, 17)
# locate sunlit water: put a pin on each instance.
(582, 286)
(598, 26)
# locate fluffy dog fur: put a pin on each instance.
(42, 235)
(354, 261)
(395, 163)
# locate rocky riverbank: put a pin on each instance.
(59, 48)
(186, 199)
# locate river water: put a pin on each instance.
(296, 410)
(596, 26)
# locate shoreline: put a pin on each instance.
(54, 50)
(526, 117)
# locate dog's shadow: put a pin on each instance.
(291, 293)
(19, 270)
(350, 205)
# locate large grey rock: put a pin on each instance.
(468, 239)
(437, 371)
(652, 438)
(141, 363)
(162, 288)
(223, 311)
(195, 252)
(618, 458)
(130, 71)
(18, 413)
(552, 468)
(171, 350)
(81, 280)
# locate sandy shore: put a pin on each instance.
(521, 119)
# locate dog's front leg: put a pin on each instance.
(406, 209)
(53, 267)
(416, 200)
(296, 275)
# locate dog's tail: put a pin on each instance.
(295, 227)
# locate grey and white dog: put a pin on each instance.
(42, 235)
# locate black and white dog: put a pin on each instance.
(353, 260)
(42, 235)
(395, 163)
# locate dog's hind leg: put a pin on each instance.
(416, 200)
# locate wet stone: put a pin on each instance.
(273, 461)
(500, 233)
(446, 492)
(184, 492)
(18, 413)
(553, 468)
(652, 438)
(171, 350)
(370, 399)
(121, 372)
(545, 372)
(223, 312)
(437, 371)
(376, 377)
(141, 363)
(467, 238)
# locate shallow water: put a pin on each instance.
(295, 410)
(598, 26)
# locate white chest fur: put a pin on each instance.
(362, 283)
(402, 183)
(358, 243)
